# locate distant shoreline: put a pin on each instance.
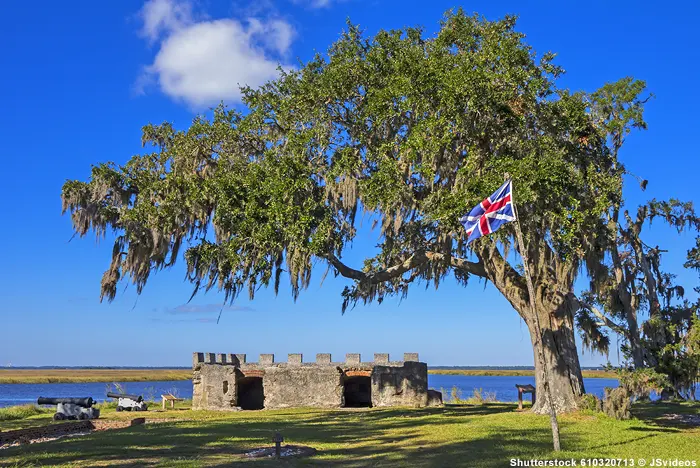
(589, 374)
(21, 376)
(78, 375)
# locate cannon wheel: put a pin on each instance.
(119, 408)
(83, 416)
(59, 417)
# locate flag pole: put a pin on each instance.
(539, 345)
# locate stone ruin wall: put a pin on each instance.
(216, 379)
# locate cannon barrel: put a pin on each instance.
(84, 402)
(137, 398)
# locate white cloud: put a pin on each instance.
(204, 62)
(313, 3)
(163, 16)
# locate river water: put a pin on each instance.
(503, 387)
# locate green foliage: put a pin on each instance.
(639, 383)
(590, 402)
(21, 412)
(414, 130)
(629, 283)
(693, 260)
(673, 340)
(617, 403)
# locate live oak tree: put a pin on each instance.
(629, 284)
(413, 131)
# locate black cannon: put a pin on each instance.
(128, 402)
(71, 408)
(84, 402)
(137, 398)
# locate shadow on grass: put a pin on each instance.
(655, 413)
(455, 435)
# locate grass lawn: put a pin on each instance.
(471, 436)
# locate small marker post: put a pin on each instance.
(278, 439)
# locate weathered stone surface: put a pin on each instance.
(233, 384)
(300, 386)
(434, 398)
(235, 359)
(352, 358)
(381, 358)
(214, 387)
(294, 359)
(323, 358)
(400, 386)
(197, 358)
(410, 357)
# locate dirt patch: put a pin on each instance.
(33, 435)
(685, 419)
(286, 451)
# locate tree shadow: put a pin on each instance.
(454, 435)
(661, 413)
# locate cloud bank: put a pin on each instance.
(203, 61)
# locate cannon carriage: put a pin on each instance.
(71, 408)
(127, 402)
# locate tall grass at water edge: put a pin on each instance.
(479, 396)
(12, 413)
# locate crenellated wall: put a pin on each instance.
(229, 381)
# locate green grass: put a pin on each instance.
(483, 436)
(20, 417)
(14, 413)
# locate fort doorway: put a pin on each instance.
(250, 393)
(357, 392)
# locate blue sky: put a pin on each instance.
(80, 79)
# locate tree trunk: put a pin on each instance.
(635, 341)
(560, 354)
(556, 316)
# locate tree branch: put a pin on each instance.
(414, 261)
(606, 321)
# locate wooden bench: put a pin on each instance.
(171, 398)
(525, 389)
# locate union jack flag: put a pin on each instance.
(490, 214)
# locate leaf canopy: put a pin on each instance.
(414, 130)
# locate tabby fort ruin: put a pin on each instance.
(229, 382)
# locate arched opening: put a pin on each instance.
(357, 391)
(250, 393)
